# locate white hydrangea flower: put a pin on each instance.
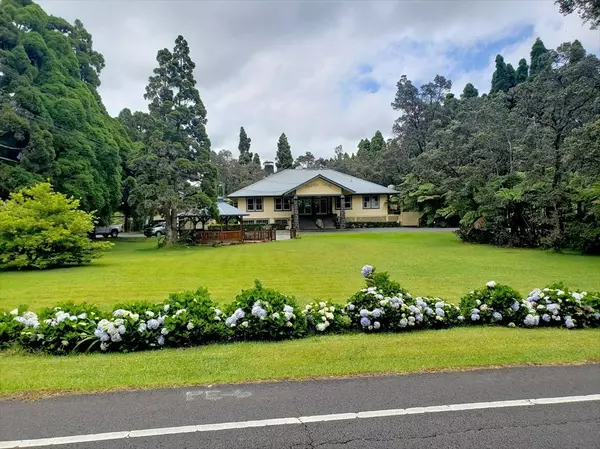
(150, 314)
(245, 324)
(321, 327)
(166, 307)
(190, 326)
(275, 316)
(289, 324)
(491, 284)
(329, 316)
(322, 305)
(14, 312)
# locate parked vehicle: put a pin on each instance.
(155, 229)
(108, 231)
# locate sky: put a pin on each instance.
(323, 72)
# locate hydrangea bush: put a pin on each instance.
(493, 304)
(557, 306)
(192, 318)
(325, 316)
(264, 314)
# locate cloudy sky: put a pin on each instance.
(323, 72)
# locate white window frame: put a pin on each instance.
(283, 200)
(251, 204)
(347, 201)
(370, 201)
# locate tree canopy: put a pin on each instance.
(172, 168)
(283, 157)
(52, 120)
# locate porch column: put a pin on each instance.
(296, 216)
(342, 212)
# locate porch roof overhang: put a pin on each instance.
(324, 178)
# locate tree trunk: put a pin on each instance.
(171, 226)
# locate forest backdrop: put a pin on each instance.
(518, 165)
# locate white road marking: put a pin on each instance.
(215, 395)
(290, 421)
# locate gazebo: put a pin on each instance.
(226, 213)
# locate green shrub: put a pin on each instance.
(372, 224)
(493, 304)
(192, 319)
(265, 314)
(63, 329)
(40, 229)
(325, 316)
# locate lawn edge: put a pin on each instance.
(43, 394)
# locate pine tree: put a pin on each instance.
(283, 158)
(364, 148)
(501, 77)
(469, 92)
(174, 162)
(244, 147)
(256, 159)
(538, 50)
(511, 76)
(377, 143)
(522, 71)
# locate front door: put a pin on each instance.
(305, 206)
(322, 206)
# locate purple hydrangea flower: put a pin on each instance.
(515, 306)
(364, 322)
(546, 317)
(497, 315)
(376, 313)
(367, 270)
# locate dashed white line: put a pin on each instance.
(291, 421)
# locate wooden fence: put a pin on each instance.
(218, 236)
(257, 235)
(260, 235)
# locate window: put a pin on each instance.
(254, 204)
(347, 203)
(234, 203)
(283, 203)
(371, 202)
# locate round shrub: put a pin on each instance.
(325, 316)
(557, 306)
(493, 304)
(192, 318)
(264, 314)
(63, 329)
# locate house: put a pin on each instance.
(305, 199)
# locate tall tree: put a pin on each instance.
(283, 158)
(421, 111)
(522, 71)
(588, 10)
(53, 125)
(256, 159)
(305, 161)
(244, 147)
(232, 175)
(173, 171)
(538, 58)
(469, 92)
(363, 148)
(377, 143)
(504, 76)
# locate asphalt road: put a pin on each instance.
(570, 424)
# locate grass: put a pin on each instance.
(32, 376)
(313, 267)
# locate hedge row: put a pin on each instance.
(192, 318)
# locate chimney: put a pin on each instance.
(269, 168)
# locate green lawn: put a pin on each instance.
(315, 266)
(32, 376)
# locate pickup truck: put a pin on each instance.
(108, 231)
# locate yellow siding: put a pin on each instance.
(357, 210)
(317, 187)
(268, 212)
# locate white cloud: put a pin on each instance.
(289, 67)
